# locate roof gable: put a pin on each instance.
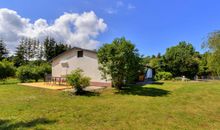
(72, 49)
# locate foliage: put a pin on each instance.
(32, 50)
(78, 80)
(178, 78)
(157, 64)
(27, 50)
(213, 44)
(3, 50)
(19, 58)
(146, 60)
(32, 72)
(52, 48)
(181, 60)
(120, 61)
(49, 45)
(24, 73)
(204, 69)
(7, 69)
(163, 76)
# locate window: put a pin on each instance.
(80, 54)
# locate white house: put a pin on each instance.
(75, 58)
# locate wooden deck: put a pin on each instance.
(47, 85)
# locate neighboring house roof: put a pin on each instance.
(93, 51)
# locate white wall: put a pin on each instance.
(88, 63)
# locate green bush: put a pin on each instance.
(29, 72)
(44, 69)
(178, 78)
(181, 79)
(7, 69)
(78, 80)
(163, 76)
(24, 73)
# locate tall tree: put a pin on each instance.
(213, 44)
(53, 48)
(20, 54)
(7, 69)
(120, 61)
(49, 46)
(180, 60)
(41, 52)
(3, 50)
(204, 69)
(60, 48)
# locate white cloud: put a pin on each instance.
(111, 11)
(119, 3)
(75, 29)
(130, 6)
(118, 7)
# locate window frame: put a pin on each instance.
(80, 54)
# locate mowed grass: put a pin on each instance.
(172, 105)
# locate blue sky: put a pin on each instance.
(152, 25)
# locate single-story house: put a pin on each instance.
(84, 59)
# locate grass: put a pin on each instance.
(172, 105)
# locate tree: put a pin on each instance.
(39, 51)
(33, 72)
(120, 61)
(213, 44)
(180, 60)
(146, 60)
(78, 80)
(204, 69)
(156, 64)
(3, 50)
(20, 54)
(60, 48)
(53, 49)
(49, 46)
(7, 69)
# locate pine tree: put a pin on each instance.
(49, 46)
(60, 48)
(20, 54)
(3, 50)
(52, 48)
(39, 51)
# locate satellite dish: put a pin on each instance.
(65, 64)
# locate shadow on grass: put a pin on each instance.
(143, 91)
(6, 125)
(7, 83)
(158, 83)
(84, 93)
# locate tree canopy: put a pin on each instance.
(180, 60)
(120, 61)
(3, 50)
(213, 44)
(7, 69)
(53, 48)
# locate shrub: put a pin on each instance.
(77, 80)
(163, 76)
(24, 73)
(44, 69)
(181, 79)
(29, 72)
(7, 69)
(178, 78)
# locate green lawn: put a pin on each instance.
(172, 105)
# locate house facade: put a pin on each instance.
(74, 58)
